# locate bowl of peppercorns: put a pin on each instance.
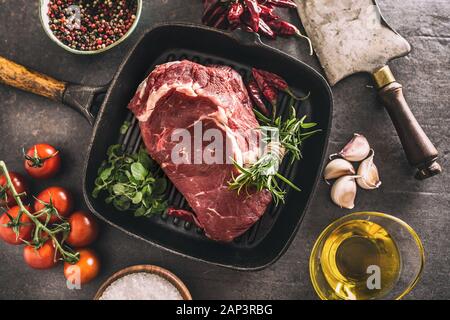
(89, 26)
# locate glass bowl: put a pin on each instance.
(43, 8)
(408, 260)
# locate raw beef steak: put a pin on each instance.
(183, 96)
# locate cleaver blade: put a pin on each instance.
(351, 36)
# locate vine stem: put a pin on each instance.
(64, 253)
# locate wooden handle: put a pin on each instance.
(419, 150)
(17, 76)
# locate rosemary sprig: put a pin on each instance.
(291, 131)
(263, 174)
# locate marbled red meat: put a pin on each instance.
(179, 95)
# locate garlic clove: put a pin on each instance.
(338, 168)
(343, 192)
(357, 149)
(369, 178)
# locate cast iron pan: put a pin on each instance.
(267, 240)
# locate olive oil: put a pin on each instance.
(360, 260)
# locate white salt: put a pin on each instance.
(141, 286)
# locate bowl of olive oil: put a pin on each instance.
(366, 256)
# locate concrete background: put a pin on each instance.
(26, 119)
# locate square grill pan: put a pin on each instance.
(265, 241)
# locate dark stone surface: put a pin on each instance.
(26, 119)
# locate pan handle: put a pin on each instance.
(419, 150)
(81, 98)
(17, 76)
(85, 99)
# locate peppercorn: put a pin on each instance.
(101, 23)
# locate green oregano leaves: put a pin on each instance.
(131, 182)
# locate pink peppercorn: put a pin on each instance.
(102, 22)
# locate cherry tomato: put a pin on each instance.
(83, 229)
(85, 270)
(6, 229)
(45, 257)
(60, 198)
(6, 197)
(42, 161)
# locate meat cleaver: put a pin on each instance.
(351, 36)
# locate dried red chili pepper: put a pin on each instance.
(284, 28)
(221, 22)
(255, 95)
(216, 16)
(246, 28)
(271, 79)
(182, 214)
(252, 16)
(234, 14)
(282, 3)
(208, 8)
(264, 29)
(267, 13)
(269, 92)
(259, 79)
(208, 3)
(274, 80)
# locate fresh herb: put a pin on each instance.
(292, 131)
(131, 182)
(263, 174)
(124, 127)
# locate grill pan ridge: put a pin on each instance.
(267, 239)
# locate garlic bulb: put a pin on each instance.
(368, 174)
(357, 149)
(338, 168)
(343, 192)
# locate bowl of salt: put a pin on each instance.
(143, 282)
